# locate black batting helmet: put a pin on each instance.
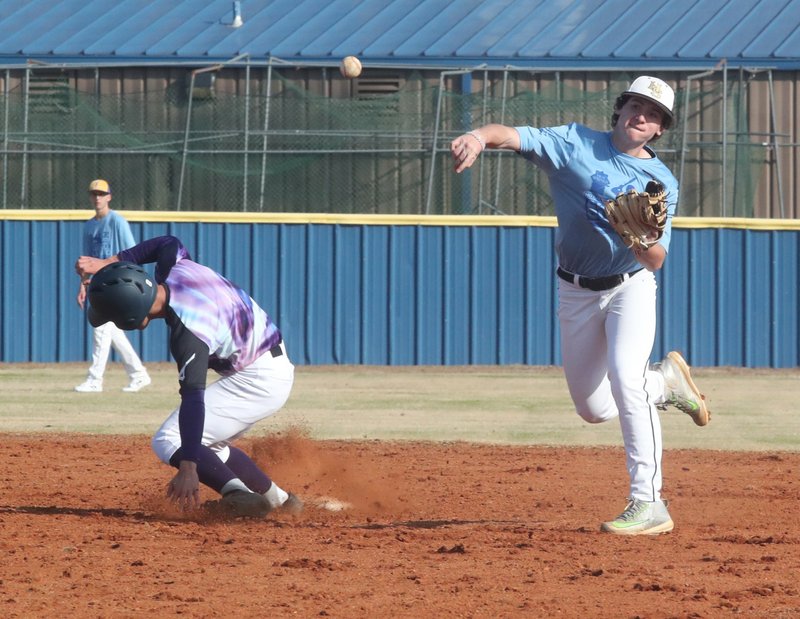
(122, 293)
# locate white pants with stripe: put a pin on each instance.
(606, 341)
(233, 404)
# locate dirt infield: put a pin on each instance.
(435, 530)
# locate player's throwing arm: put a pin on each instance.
(466, 148)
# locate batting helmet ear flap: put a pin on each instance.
(122, 293)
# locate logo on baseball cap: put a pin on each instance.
(100, 185)
(654, 89)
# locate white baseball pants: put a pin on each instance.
(606, 340)
(233, 404)
(104, 337)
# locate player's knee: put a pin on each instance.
(591, 415)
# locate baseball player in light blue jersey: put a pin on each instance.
(104, 235)
(213, 324)
(606, 291)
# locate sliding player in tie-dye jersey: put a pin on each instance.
(213, 324)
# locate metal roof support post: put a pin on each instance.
(26, 108)
(724, 138)
(737, 132)
(436, 133)
(196, 72)
(500, 158)
(467, 121)
(685, 131)
(185, 142)
(559, 92)
(774, 120)
(483, 117)
(96, 123)
(264, 145)
(5, 138)
(246, 131)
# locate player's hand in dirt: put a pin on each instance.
(184, 488)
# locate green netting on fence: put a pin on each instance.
(296, 151)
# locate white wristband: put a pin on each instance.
(481, 141)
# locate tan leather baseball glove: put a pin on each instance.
(639, 217)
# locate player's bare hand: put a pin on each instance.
(87, 265)
(465, 150)
(184, 488)
(81, 295)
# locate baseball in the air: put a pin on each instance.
(350, 67)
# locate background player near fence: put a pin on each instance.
(213, 324)
(607, 292)
(104, 235)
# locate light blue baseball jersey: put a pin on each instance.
(585, 169)
(107, 236)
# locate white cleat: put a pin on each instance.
(90, 385)
(137, 384)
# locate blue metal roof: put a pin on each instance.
(665, 34)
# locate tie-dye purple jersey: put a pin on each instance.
(236, 330)
(219, 313)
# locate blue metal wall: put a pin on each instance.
(428, 291)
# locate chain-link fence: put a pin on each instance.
(189, 146)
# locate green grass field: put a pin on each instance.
(751, 409)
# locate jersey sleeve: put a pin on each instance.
(551, 148)
(125, 236)
(87, 240)
(165, 251)
(191, 355)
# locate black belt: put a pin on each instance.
(595, 283)
(276, 351)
